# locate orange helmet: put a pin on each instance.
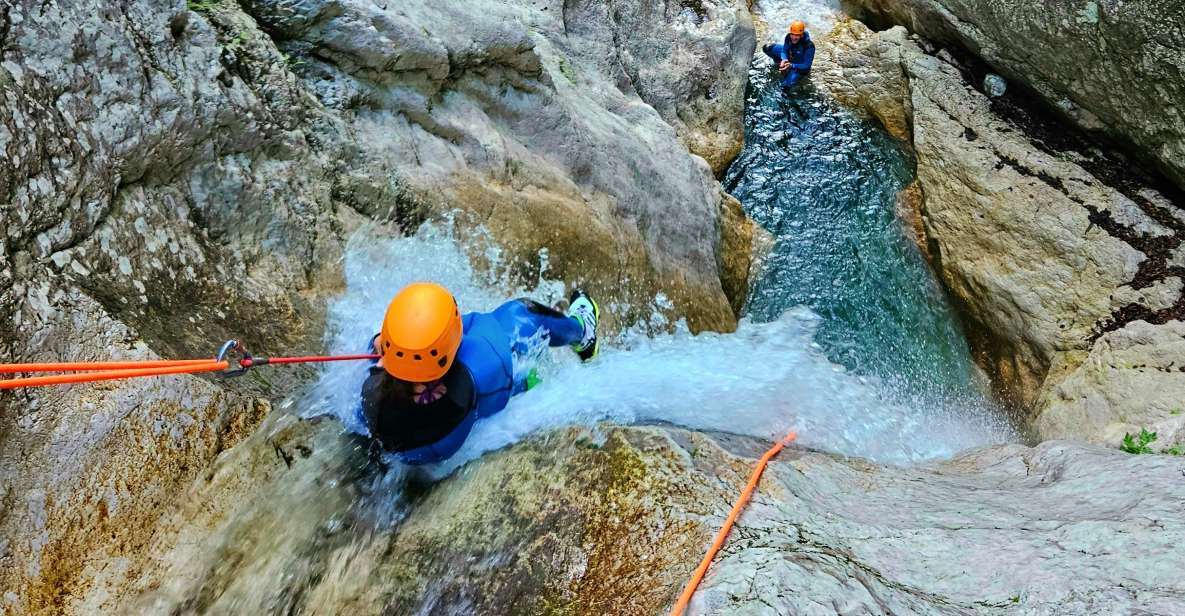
(421, 333)
(797, 27)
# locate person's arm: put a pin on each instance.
(786, 49)
(372, 397)
(808, 58)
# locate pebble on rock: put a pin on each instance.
(994, 85)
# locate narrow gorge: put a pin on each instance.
(963, 301)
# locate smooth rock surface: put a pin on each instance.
(547, 124)
(1113, 67)
(864, 69)
(613, 520)
(1131, 380)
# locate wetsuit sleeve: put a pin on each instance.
(373, 394)
(808, 58)
(786, 48)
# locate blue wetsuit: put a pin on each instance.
(801, 56)
(427, 423)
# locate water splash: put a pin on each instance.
(849, 338)
(820, 16)
(759, 381)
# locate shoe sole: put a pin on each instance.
(596, 339)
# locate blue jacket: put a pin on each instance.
(485, 353)
(479, 384)
(802, 55)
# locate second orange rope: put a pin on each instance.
(737, 508)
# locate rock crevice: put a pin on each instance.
(1115, 69)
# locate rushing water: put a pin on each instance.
(762, 380)
(848, 338)
(824, 182)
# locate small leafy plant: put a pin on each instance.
(201, 6)
(1138, 444)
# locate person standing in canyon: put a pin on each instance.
(795, 55)
(441, 371)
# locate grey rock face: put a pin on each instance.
(179, 173)
(1113, 67)
(533, 118)
(1000, 530)
(613, 520)
(686, 60)
(1130, 381)
(1044, 256)
(139, 186)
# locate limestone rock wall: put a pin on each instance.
(1048, 258)
(1117, 68)
(545, 123)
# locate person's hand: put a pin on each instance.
(783, 65)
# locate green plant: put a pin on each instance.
(236, 42)
(567, 71)
(1175, 450)
(201, 6)
(1138, 444)
(293, 61)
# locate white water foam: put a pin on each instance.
(760, 381)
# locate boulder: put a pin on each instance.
(543, 123)
(864, 69)
(1131, 380)
(687, 60)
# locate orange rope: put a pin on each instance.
(98, 365)
(112, 370)
(184, 367)
(737, 508)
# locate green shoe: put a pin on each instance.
(582, 308)
(533, 379)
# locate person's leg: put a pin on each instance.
(774, 51)
(528, 317)
(792, 77)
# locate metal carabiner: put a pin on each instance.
(227, 347)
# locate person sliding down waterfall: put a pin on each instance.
(440, 371)
(795, 55)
